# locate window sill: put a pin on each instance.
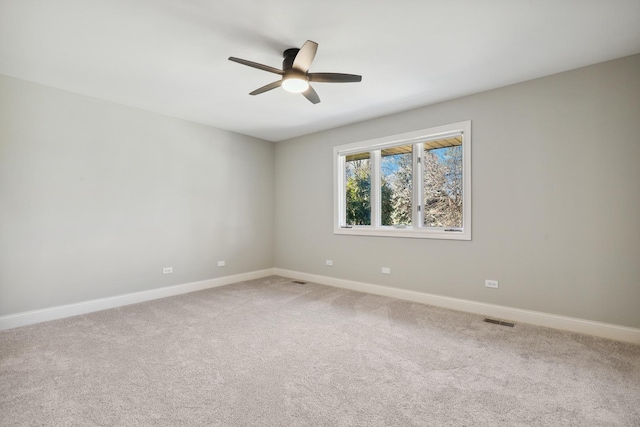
(403, 232)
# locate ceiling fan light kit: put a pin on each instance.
(295, 72)
(295, 81)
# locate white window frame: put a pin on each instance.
(374, 146)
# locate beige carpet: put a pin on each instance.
(274, 353)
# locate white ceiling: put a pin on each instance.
(170, 56)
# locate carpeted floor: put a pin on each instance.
(271, 352)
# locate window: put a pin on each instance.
(416, 184)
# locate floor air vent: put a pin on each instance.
(499, 322)
(299, 282)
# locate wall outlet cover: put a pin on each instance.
(491, 284)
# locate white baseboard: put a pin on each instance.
(604, 330)
(59, 312)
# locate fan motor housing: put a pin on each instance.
(289, 56)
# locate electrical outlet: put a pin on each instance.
(491, 284)
(386, 270)
(167, 270)
(329, 262)
(222, 263)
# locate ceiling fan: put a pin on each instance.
(295, 72)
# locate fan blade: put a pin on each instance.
(266, 88)
(311, 95)
(256, 65)
(334, 78)
(305, 56)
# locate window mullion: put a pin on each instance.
(418, 163)
(376, 196)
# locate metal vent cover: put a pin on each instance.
(499, 322)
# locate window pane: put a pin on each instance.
(396, 172)
(443, 185)
(358, 191)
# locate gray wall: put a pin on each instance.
(96, 198)
(556, 200)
